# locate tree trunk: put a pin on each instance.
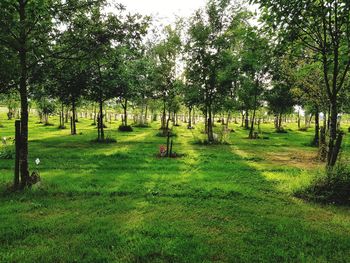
(254, 112)
(332, 150)
(146, 115)
(228, 119)
(210, 126)
(62, 116)
(316, 141)
(246, 121)
(189, 126)
(163, 124)
(280, 121)
(193, 117)
(206, 120)
(24, 97)
(252, 125)
(73, 120)
(125, 108)
(102, 138)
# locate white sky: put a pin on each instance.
(164, 10)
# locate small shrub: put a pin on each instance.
(49, 124)
(281, 130)
(127, 128)
(107, 140)
(7, 150)
(334, 187)
(62, 127)
(303, 129)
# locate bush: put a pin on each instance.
(281, 130)
(303, 129)
(125, 128)
(7, 152)
(49, 124)
(334, 187)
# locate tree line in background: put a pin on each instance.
(65, 56)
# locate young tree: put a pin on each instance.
(254, 63)
(166, 54)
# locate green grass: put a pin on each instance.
(120, 203)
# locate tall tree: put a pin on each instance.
(323, 27)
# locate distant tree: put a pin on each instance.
(166, 54)
(255, 57)
(280, 98)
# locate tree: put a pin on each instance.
(254, 63)
(281, 97)
(27, 31)
(166, 54)
(323, 27)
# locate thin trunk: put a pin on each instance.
(254, 111)
(280, 121)
(332, 154)
(163, 124)
(210, 125)
(146, 114)
(24, 96)
(206, 120)
(316, 141)
(246, 122)
(189, 126)
(73, 124)
(125, 108)
(102, 138)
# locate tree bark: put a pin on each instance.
(102, 137)
(316, 141)
(125, 108)
(210, 125)
(163, 125)
(246, 121)
(73, 124)
(332, 133)
(189, 126)
(24, 96)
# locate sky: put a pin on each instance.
(165, 11)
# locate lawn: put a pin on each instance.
(120, 203)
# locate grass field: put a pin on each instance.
(120, 203)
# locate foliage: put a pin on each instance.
(123, 128)
(332, 187)
(7, 149)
